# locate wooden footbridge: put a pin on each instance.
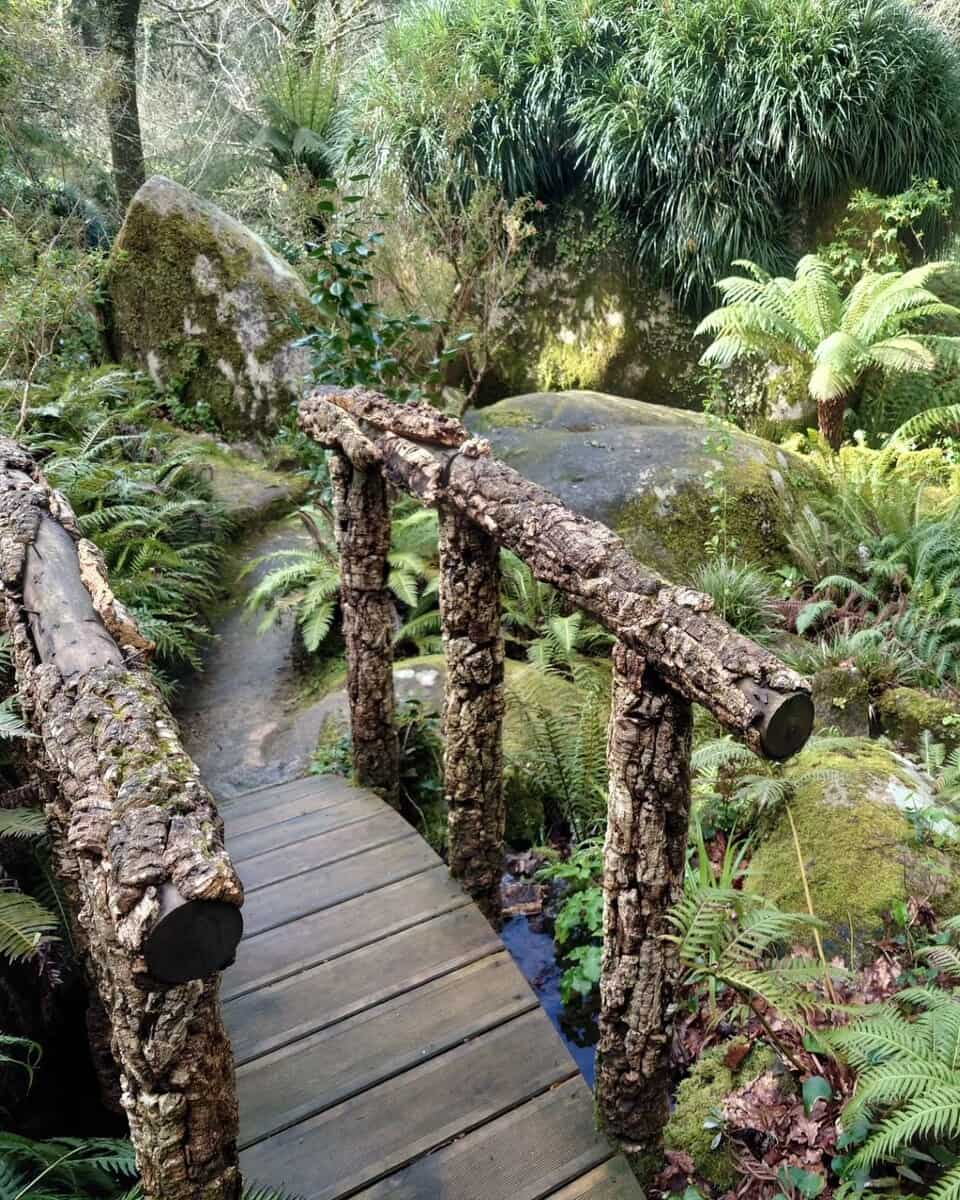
(386, 1045)
(383, 1044)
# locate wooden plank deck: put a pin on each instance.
(387, 1046)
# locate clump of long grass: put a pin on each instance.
(716, 125)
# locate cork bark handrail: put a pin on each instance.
(136, 837)
(749, 691)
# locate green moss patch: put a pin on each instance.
(907, 712)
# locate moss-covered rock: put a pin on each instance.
(841, 700)
(587, 318)
(204, 304)
(906, 712)
(663, 479)
(700, 1100)
(860, 851)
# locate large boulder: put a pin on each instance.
(867, 846)
(205, 306)
(598, 325)
(665, 480)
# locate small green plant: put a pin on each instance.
(355, 343)
(742, 594)
(880, 233)
(578, 930)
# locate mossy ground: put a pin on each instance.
(700, 1099)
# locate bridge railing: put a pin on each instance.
(671, 650)
(137, 844)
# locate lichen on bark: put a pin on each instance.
(473, 707)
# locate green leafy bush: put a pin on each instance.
(713, 124)
(578, 930)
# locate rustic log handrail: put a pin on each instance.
(671, 650)
(137, 843)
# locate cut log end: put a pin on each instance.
(786, 728)
(191, 938)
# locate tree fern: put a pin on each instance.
(839, 340)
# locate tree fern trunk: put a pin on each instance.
(648, 814)
(830, 420)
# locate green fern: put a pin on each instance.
(733, 941)
(906, 1054)
(22, 823)
(25, 924)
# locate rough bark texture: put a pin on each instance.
(129, 821)
(473, 707)
(830, 419)
(649, 807)
(119, 30)
(363, 538)
(747, 689)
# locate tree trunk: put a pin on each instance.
(363, 538)
(830, 420)
(648, 814)
(136, 840)
(119, 22)
(473, 707)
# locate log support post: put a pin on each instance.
(363, 538)
(473, 707)
(649, 808)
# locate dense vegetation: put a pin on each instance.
(791, 167)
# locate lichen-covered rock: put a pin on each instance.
(599, 327)
(841, 700)
(906, 713)
(860, 848)
(205, 306)
(663, 479)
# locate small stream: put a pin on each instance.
(533, 951)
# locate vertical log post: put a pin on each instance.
(363, 538)
(473, 707)
(649, 808)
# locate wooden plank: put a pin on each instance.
(256, 798)
(613, 1181)
(324, 1070)
(295, 800)
(326, 886)
(322, 936)
(383, 1129)
(325, 848)
(522, 1156)
(357, 807)
(272, 1016)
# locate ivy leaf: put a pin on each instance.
(815, 1088)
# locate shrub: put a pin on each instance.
(743, 596)
(714, 124)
